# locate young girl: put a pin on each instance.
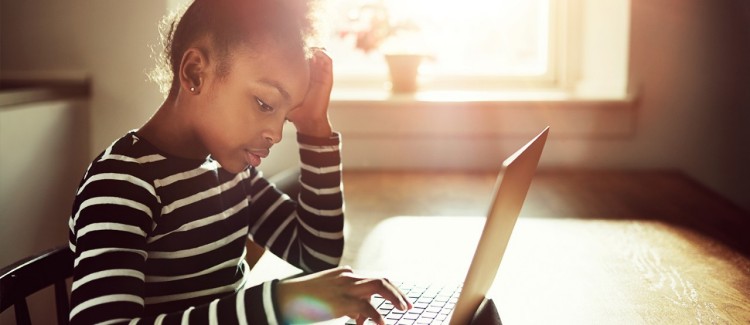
(162, 217)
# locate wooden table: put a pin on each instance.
(591, 247)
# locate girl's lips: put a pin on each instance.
(253, 158)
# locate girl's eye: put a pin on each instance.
(262, 106)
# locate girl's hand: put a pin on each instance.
(311, 117)
(335, 293)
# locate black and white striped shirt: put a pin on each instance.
(161, 239)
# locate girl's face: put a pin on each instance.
(242, 114)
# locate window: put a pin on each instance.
(467, 41)
(574, 47)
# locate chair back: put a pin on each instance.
(25, 277)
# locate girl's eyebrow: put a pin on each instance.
(278, 86)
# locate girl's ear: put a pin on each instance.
(192, 67)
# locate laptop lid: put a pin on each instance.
(507, 199)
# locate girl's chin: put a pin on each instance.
(235, 167)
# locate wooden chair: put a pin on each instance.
(25, 277)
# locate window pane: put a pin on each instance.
(467, 37)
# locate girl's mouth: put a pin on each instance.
(253, 158)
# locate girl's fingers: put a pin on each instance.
(360, 320)
(366, 310)
(346, 293)
(385, 289)
(321, 68)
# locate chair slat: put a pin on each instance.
(61, 302)
(25, 277)
(22, 313)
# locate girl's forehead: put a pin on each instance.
(270, 61)
(270, 51)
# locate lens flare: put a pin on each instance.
(306, 309)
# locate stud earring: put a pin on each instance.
(192, 89)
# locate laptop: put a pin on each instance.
(458, 304)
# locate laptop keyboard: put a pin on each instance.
(433, 304)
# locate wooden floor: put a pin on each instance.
(666, 196)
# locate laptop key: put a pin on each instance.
(429, 315)
(376, 300)
(415, 310)
(424, 300)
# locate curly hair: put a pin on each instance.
(228, 23)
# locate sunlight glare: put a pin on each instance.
(470, 37)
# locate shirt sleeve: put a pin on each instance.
(306, 231)
(112, 215)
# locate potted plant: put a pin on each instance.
(373, 28)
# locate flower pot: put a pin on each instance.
(403, 69)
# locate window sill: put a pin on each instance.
(18, 88)
(377, 113)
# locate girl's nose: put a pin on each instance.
(273, 136)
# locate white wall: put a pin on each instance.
(691, 59)
(44, 149)
(108, 39)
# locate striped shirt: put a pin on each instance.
(159, 238)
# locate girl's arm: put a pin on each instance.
(306, 231)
